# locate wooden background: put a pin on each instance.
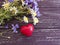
(47, 32)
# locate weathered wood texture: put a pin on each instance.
(47, 31)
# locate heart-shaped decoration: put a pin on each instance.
(27, 30)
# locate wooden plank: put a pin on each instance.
(49, 3)
(40, 36)
(48, 21)
(51, 10)
(47, 31)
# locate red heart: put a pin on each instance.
(27, 29)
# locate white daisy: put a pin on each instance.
(6, 5)
(35, 19)
(14, 10)
(25, 19)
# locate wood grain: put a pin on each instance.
(47, 31)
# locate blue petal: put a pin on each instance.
(17, 26)
(10, 0)
(38, 14)
(14, 30)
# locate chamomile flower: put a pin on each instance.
(6, 5)
(33, 12)
(25, 19)
(14, 10)
(35, 19)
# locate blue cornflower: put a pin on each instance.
(14, 28)
(34, 6)
(31, 4)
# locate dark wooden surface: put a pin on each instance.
(47, 31)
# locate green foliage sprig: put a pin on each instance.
(18, 10)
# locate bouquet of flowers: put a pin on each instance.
(22, 10)
(18, 9)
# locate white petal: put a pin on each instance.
(35, 20)
(25, 19)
